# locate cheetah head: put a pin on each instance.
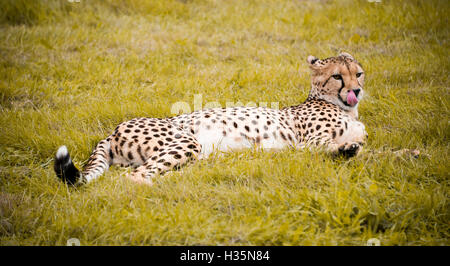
(338, 80)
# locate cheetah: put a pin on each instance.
(328, 118)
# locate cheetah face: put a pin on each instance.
(338, 80)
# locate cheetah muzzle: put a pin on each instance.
(328, 119)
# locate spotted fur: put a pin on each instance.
(328, 119)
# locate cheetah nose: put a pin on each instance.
(357, 92)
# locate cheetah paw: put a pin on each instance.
(349, 149)
(138, 179)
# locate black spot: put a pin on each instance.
(140, 153)
(290, 137)
(130, 156)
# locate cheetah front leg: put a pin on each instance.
(346, 149)
(350, 142)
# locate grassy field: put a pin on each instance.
(70, 72)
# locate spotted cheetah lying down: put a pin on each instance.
(328, 119)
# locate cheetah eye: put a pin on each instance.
(359, 74)
(337, 76)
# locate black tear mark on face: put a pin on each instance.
(339, 94)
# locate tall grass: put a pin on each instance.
(70, 72)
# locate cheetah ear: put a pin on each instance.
(344, 54)
(313, 62)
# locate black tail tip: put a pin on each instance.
(64, 167)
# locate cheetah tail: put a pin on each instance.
(64, 167)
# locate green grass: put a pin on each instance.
(70, 72)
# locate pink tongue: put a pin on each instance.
(351, 98)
